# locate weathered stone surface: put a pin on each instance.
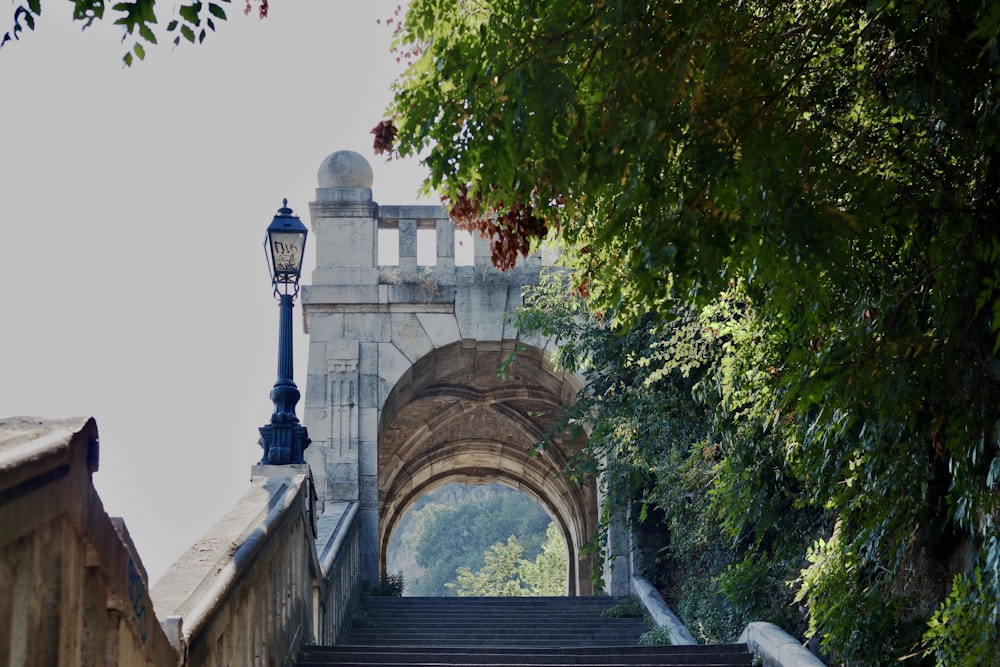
(345, 169)
(368, 454)
(343, 469)
(392, 363)
(75, 590)
(440, 329)
(409, 336)
(344, 243)
(480, 311)
(322, 327)
(776, 648)
(368, 327)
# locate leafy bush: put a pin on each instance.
(391, 585)
(658, 636)
(630, 607)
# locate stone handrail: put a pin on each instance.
(777, 648)
(75, 589)
(339, 545)
(772, 645)
(245, 592)
(661, 614)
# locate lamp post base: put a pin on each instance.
(283, 441)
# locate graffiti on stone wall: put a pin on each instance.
(137, 600)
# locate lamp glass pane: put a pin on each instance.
(286, 255)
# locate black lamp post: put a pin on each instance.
(284, 439)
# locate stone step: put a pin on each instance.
(507, 632)
(662, 656)
(597, 655)
(507, 635)
(480, 641)
(621, 636)
(576, 603)
(506, 624)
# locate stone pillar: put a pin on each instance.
(482, 254)
(445, 246)
(341, 405)
(408, 248)
(343, 222)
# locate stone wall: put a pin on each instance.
(246, 592)
(74, 589)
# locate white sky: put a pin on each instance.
(133, 204)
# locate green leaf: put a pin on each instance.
(88, 11)
(190, 13)
(216, 11)
(146, 32)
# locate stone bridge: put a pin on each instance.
(408, 325)
(402, 395)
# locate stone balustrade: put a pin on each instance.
(74, 589)
(340, 559)
(423, 241)
(245, 592)
(266, 578)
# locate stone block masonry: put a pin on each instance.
(408, 327)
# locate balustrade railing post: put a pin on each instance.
(408, 248)
(445, 245)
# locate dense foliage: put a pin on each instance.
(720, 529)
(505, 573)
(814, 188)
(455, 525)
(190, 21)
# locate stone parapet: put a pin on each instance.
(244, 593)
(776, 648)
(661, 614)
(338, 544)
(75, 589)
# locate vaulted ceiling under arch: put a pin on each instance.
(451, 417)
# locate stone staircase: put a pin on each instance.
(525, 632)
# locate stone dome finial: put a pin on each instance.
(345, 169)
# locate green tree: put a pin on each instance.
(546, 575)
(498, 577)
(817, 185)
(191, 21)
(458, 524)
(659, 442)
(506, 574)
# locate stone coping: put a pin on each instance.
(195, 586)
(332, 528)
(774, 646)
(31, 447)
(661, 614)
(777, 648)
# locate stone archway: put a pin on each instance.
(451, 418)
